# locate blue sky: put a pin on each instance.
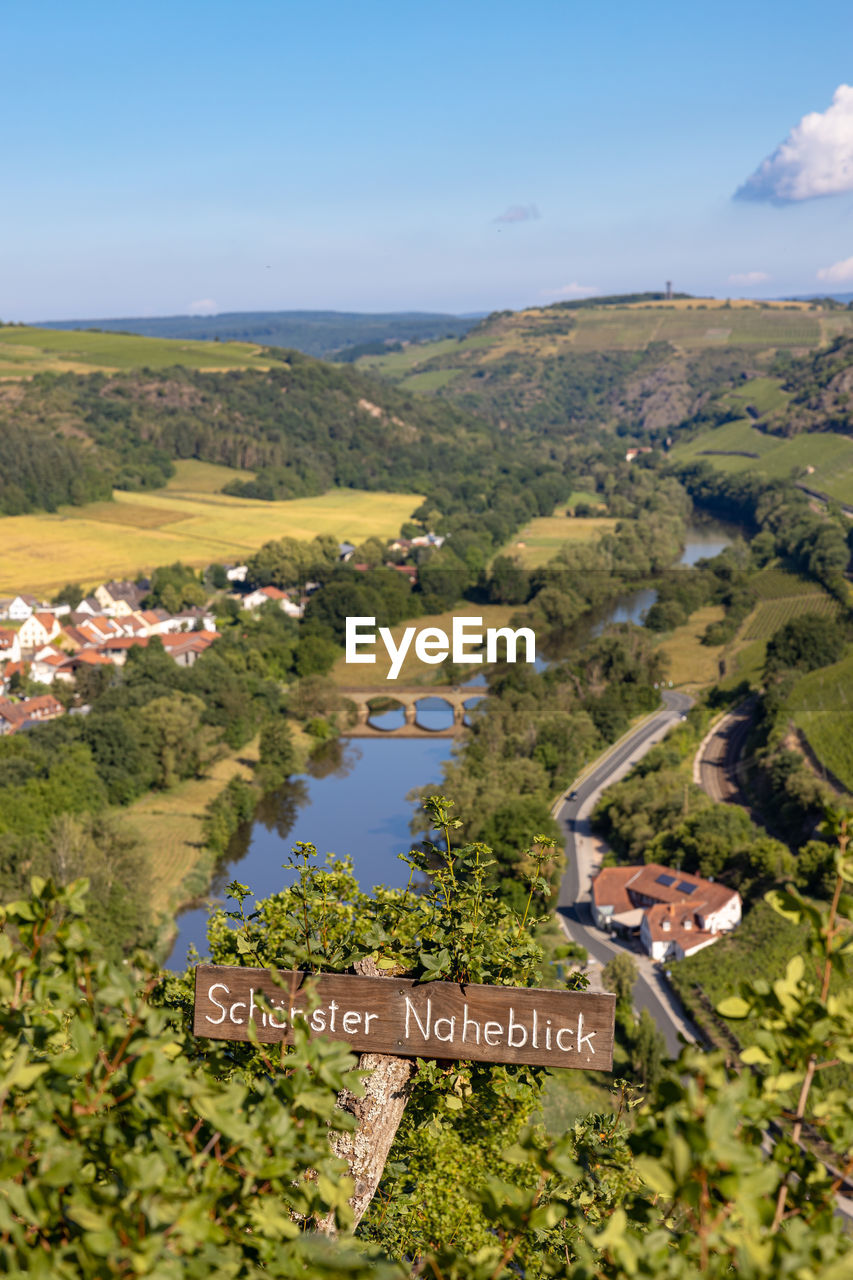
(460, 157)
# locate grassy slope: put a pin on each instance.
(541, 539)
(780, 595)
(822, 706)
(168, 824)
(689, 325)
(137, 531)
(830, 454)
(25, 351)
(693, 665)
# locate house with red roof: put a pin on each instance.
(263, 595)
(49, 665)
(19, 715)
(674, 913)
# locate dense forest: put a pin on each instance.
(301, 428)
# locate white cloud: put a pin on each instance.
(749, 277)
(204, 307)
(816, 158)
(519, 213)
(838, 273)
(573, 290)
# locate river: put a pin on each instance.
(354, 800)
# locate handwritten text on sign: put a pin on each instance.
(409, 1019)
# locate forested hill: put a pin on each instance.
(819, 390)
(315, 333)
(639, 365)
(300, 426)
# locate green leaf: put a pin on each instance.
(753, 1055)
(734, 1007)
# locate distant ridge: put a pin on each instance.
(316, 333)
(816, 297)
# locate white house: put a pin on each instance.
(186, 620)
(676, 913)
(91, 606)
(47, 665)
(236, 572)
(21, 608)
(38, 630)
(263, 595)
(10, 645)
(119, 598)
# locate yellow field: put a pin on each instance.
(690, 662)
(138, 531)
(414, 671)
(543, 537)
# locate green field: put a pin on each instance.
(399, 364)
(25, 351)
(577, 496)
(541, 539)
(627, 328)
(739, 446)
(821, 705)
(770, 615)
(195, 477)
(429, 379)
(764, 395)
(761, 946)
(137, 531)
(774, 583)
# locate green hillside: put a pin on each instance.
(821, 706)
(295, 430)
(821, 460)
(25, 351)
(644, 365)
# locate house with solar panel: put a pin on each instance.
(672, 912)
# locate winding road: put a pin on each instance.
(582, 856)
(571, 813)
(715, 766)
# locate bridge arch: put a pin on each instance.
(408, 698)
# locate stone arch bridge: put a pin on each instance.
(408, 698)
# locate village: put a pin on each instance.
(48, 644)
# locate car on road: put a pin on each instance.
(573, 795)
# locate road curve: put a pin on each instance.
(715, 766)
(573, 903)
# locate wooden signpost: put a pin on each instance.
(408, 1019)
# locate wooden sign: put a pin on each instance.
(409, 1019)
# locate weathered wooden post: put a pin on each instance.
(379, 1111)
